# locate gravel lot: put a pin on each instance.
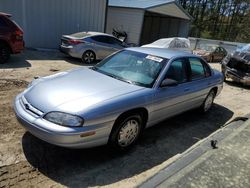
(28, 161)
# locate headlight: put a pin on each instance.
(64, 119)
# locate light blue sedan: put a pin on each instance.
(114, 101)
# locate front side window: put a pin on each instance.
(197, 69)
(177, 71)
(132, 67)
(115, 41)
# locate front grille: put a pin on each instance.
(29, 108)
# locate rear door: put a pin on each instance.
(200, 81)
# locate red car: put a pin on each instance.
(11, 37)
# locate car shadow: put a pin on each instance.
(102, 166)
(22, 60)
(15, 61)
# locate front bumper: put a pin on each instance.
(237, 78)
(81, 137)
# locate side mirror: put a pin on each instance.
(169, 82)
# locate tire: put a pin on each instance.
(208, 102)
(88, 57)
(126, 132)
(4, 53)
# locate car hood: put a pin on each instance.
(75, 90)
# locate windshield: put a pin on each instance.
(132, 67)
(208, 48)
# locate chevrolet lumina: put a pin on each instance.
(114, 101)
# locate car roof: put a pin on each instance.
(5, 14)
(93, 33)
(87, 34)
(162, 52)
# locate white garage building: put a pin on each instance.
(44, 21)
(146, 21)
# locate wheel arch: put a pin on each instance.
(215, 89)
(140, 110)
(5, 43)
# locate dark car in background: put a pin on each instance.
(11, 37)
(211, 53)
(237, 66)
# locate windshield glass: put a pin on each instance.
(132, 67)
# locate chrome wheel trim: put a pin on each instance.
(128, 133)
(209, 101)
(89, 57)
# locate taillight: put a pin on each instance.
(73, 41)
(18, 34)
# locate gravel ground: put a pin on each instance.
(28, 161)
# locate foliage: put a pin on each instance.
(219, 19)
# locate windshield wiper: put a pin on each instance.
(119, 78)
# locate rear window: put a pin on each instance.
(3, 22)
(81, 34)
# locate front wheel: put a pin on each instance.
(126, 132)
(208, 102)
(88, 57)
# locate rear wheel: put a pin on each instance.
(4, 53)
(208, 102)
(88, 57)
(126, 131)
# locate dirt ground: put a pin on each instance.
(26, 161)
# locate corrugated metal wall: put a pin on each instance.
(44, 21)
(158, 26)
(126, 19)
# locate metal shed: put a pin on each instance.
(44, 21)
(146, 21)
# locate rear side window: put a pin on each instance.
(102, 39)
(3, 22)
(197, 69)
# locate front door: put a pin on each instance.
(172, 100)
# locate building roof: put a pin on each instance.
(165, 7)
(141, 4)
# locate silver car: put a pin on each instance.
(114, 101)
(90, 46)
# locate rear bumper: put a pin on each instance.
(62, 136)
(17, 47)
(70, 50)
